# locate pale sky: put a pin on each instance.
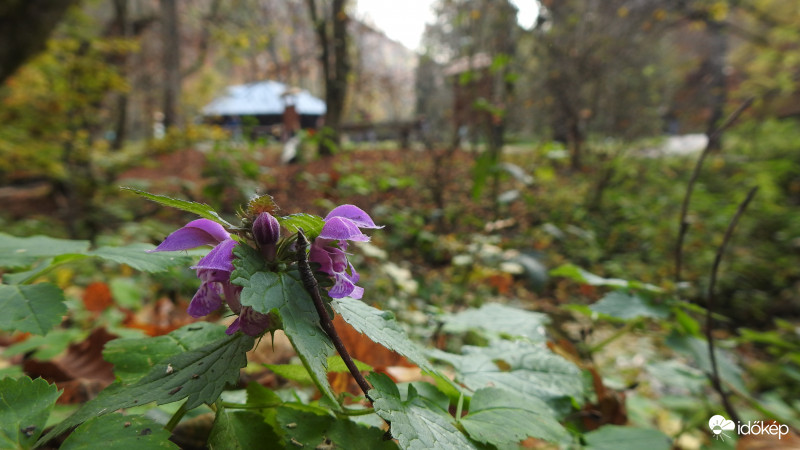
(405, 20)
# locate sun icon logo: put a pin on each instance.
(719, 425)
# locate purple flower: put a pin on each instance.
(342, 224)
(214, 270)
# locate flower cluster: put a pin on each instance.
(342, 224)
(214, 270)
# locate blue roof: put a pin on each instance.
(264, 97)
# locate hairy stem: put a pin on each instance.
(715, 379)
(310, 283)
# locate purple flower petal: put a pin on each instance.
(340, 228)
(194, 234)
(219, 258)
(357, 215)
(205, 301)
(249, 322)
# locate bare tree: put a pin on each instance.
(172, 73)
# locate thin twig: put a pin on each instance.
(715, 379)
(683, 225)
(310, 283)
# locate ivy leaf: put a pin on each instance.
(34, 308)
(201, 209)
(25, 405)
(283, 294)
(529, 370)
(625, 306)
(382, 328)
(498, 320)
(240, 430)
(199, 375)
(500, 417)
(133, 358)
(22, 252)
(615, 437)
(311, 224)
(134, 255)
(314, 428)
(417, 423)
(118, 432)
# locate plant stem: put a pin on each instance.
(683, 225)
(618, 334)
(715, 379)
(310, 283)
(176, 418)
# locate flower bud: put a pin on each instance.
(266, 232)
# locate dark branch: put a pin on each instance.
(310, 283)
(715, 379)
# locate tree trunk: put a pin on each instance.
(172, 73)
(335, 67)
(718, 93)
(25, 26)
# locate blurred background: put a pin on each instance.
(511, 148)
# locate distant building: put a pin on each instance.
(260, 107)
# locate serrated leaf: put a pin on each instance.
(417, 423)
(240, 430)
(382, 328)
(621, 305)
(201, 209)
(199, 375)
(614, 437)
(283, 294)
(34, 308)
(500, 417)
(529, 370)
(498, 320)
(118, 432)
(134, 358)
(311, 224)
(22, 252)
(134, 255)
(42, 267)
(25, 405)
(314, 429)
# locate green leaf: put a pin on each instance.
(382, 328)
(25, 405)
(499, 417)
(530, 371)
(240, 430)
(134, 358)
(298, 372)
(135, 256)
(697, 350)
(34, 308)
(311, 224)
(625, 306)
(201, 209)
(22, 252)
(199, 375)
(258, 395)
(614, 437)
(41, 268)
(417, 423)
(118, 432)
(498, 320)
(283, 294)
(579, 275)
(314, 429)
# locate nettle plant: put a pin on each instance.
(287, 273)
